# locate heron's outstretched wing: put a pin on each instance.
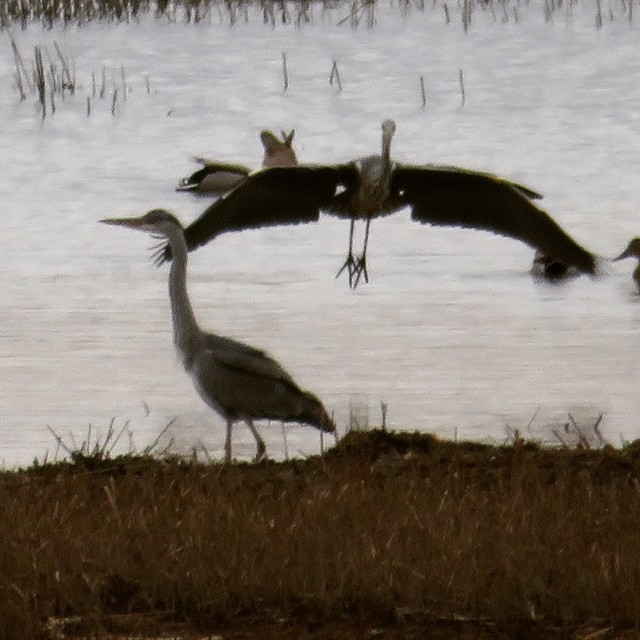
(269, 197)
(457, 197)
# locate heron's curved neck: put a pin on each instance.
(386, 148)
(186, 333)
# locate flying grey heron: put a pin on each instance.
(376, 186)
(236, 380)
(632, 251)
(220, 177)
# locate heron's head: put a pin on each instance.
(389, 127)
(633, 249)
(157, 222)
(278, 153)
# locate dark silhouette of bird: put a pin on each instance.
(220, 177)
(376, 186)
(552, 269)
(236, 380)
(632, 251)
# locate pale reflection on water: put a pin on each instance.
(452, 333)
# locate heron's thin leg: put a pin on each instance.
(360, 266)
(259, 441)
(227, 442)
(349, 262)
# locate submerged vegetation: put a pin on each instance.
(396, 532)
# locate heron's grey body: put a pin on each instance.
(220, 177)
(236, 380)
(377, 186)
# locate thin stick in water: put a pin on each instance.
(461, 81)
(423, 91)
(285, 72)
(113, 102)
(335, 74)
(286, 445)
(124, 83)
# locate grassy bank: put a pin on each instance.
(396, 529)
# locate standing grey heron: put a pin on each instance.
(220, 177)
(236, 380)
(632, 251)
(376, 186)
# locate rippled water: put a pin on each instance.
(452, 333)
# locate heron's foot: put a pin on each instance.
(359, 270)
(350, 265)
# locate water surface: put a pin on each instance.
(452, 333)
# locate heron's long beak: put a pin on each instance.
(625, 254)
(132, 223)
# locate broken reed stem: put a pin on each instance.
(466, 14)
(67, 80)
(88, 106)
(423, 92)
(124, 83)
(39, 80)
(461, 81)
(447, 18)
(113, 102)
(598, 14)
(21, 71)
(335, 73)
(286, 444)
(103, 86)
(285, 73)
(146, 84)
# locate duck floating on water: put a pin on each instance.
(220, 177)
(632, 251)
(552, 269)
(376, 186)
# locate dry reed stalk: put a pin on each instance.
(114, 100)
(385, 522)
(463, 97)
(68, 79)
(335, 74)
(39, 80)
(124, 82)
(285, 73)
(423, 91)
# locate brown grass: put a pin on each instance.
(387, 527)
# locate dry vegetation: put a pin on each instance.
(354, 13)
(397, 533)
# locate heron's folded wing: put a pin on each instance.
(457, 197)
(246, 358)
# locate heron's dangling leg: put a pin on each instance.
(227, 442)
(259, 441)
(360, 265)
(350, 262)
